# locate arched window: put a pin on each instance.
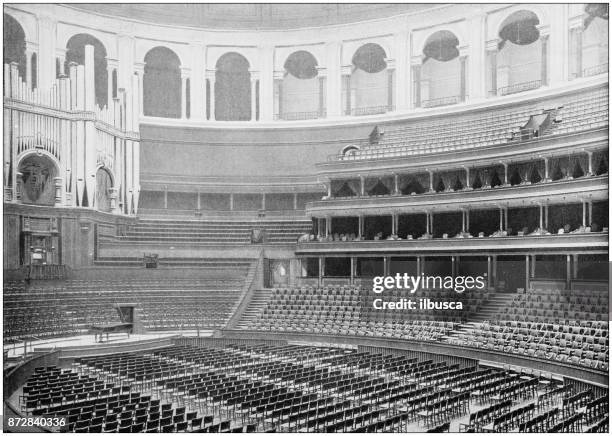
(594, 40)
(14, 44)
(368, 89)
(299, 91)
(232, 88)
(104, 183)
(521, 55)
(36, 174)
(442, 71)
(75, 52)
(162, 84)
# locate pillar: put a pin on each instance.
(185, 73)
(568, 271)
(353, 265)
(491, 47)
(541, 216)
(390, 84)
(139, 68)
(419, 266)
(396, 190)
(114, 204)
(165, 197)
(295, 201)
(321, 270)
(557, 46)
(18, 186)
(58, 190)
(28, 77)
(394, 223)
(476, 60)
(327, 225)
(489, 272)
(263, 201)
(590, 163)
(501, 218)
(575, 42)
(47, 26)
(544, 72)
(333, 56)
(546, 170)
(346, 86)
(546, 216)
(253, 95)
(197, 85)
(506, 182)
(401, 42)
(431, 188)
(231, 201)
(60, 55)
(462, 221)
(322, 72)
(467, 179)
(360, 225)
(416, 81)
(463, 75)
(362, 186)
(527, 271)
(210, 77)
(278, 94)
(584, 212)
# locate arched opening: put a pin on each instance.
(299, 90)
(232, 88)
(14, 44)
(594, 40)
(369, 85)
(521, 64)
(162, 84)
(442, 71)
(75, 52)
(36, 177)
(104, 184)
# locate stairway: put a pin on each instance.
(491, 308)
(257, 304)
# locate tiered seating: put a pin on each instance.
(349, 311)
(68, 308)
(584, 111)
(553, 305)
(189, 232)
(584, 344)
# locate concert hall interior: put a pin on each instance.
(203, 203)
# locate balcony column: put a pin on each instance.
(584, 212)
(321, 270)
(467, 220)
(362, 186)
(263, 201)
(254, 79)
(467, 186)
(506, 182)
(476, 61)
(431, 177)
(492, 49)
(185, 74)
(278, 94)
(328, 225)
(546, 170)
(210, 77)
(360, 225)
(60, 55)
(394, 223)
(546, 216)
(590, 163)
(544, 37)
(506, 218)
(346, 85)
(231, 200)
(501, 218)
(462, 221)
(322, 75)
(334, 83)
(527, 271)
(165, 197)
(396, 190)
(568, 271)
(353, 265)
(541, 216)
(295, 201)
(18, 186)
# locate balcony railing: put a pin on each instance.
(298, 116)
(370, 110)
(519, 87)
(594, 71)
(442, 101)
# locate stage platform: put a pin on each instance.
(75, 346)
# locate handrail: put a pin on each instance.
(370, 110)
(595, 70)
(299, 116)
(443, 101)
(519, 87)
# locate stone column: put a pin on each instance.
(185, 74)
(322, 75)
(416, 63)
(476, 61)
(575, 43)
(463, 82)
(139, 68)
(58, 190)
(544, 36)
(390, 84)
(491, 47)
(45, 61)
(111, 65)
(114, 204)
(402, 70)
(197, 87)
(28, 77)
(279, 76)
(60, 54)
(210, 77)
(18, 187)
(346, 86)
(254, 79)
(333, 55)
